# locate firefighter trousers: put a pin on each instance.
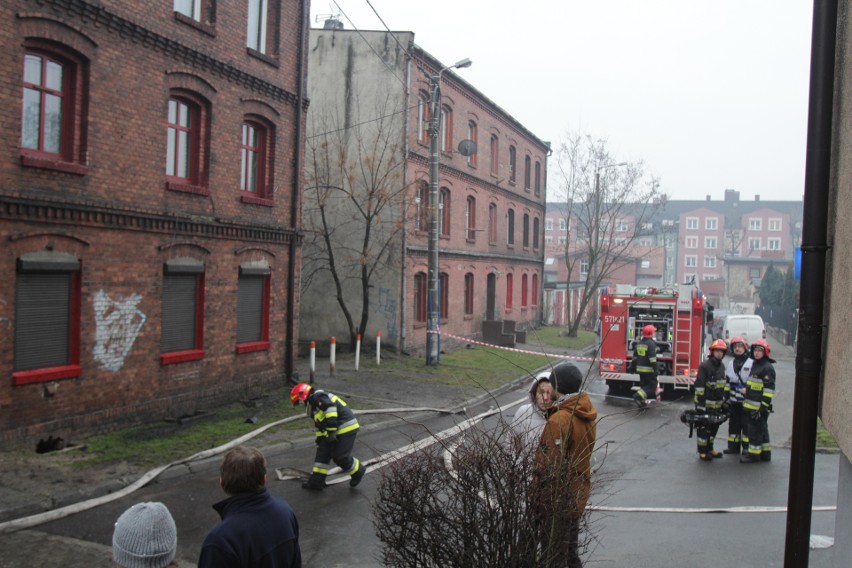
(758, 435)
(706, 436)
(647, 386)
(340, 452)
(737, 434)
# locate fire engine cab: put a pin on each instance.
(679, 316)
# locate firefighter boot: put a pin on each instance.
(731, 451)
(766, 455)
(315, 482)
(750, 458)
(715, 454)
(356, 477)
(639, 399)
(705, 457)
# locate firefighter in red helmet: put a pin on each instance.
(335, 436)
(757, 403)
(645, 364)
(711, 387)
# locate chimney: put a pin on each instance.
(732, 195)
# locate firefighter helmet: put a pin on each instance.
(718, 345)
(649, 331)
(763, 344)
(300, 393)
(738, 339)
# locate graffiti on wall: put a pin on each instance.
(117, 323)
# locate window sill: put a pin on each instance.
(471, 166)
(419, 325)
(195, 24)
(46, 374)
(187, 188)
(181, 356)
(468, 317)
(508, 310)
(510, 246)
(55, 164)
(246, 197)
(471, 241)
(268, 59)
(253, 346)
(527, 189)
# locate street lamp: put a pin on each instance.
(433, 341)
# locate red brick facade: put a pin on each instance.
(104, 201)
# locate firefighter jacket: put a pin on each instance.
(331, 414)
(760, 386)
(710, 386)
(645, 355)
(737, 372)
(568, 440)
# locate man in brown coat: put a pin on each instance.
(564, 465)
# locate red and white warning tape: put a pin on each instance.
(542, 353)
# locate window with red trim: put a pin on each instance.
(182, 321)
(446, 129)
(444, 209)
(524, 290)
(52, 126)
(534, 290)
(47, 320)
(186, 144)
(470, 218)
(510, 229)
(420, 297)
(256, 163)
(495, 155)
(508, 292)
(536, 230)
(527, 172)
(492, 223)
(513, 163)
(423, 117)
(526, 236)
(472, 136)
(537, 177)
(444, 283)
(252, 310)
(423, 206)
(468, 293)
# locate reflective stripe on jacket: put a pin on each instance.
(760, 386)
(331, 414)
(711, 385)
(645, 355)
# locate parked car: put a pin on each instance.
(747, 327)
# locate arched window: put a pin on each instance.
(256, 158)
(446, 129)
(472, 136)
(186, 144)
(470, 218)
(510, 229)
(508, 292)
(527, 172)
(524, 290)
(420, 297)
(492, 223)
(444, 209)
(537, 177)
(536, 229)
(534, 290)
(423, 206)
(495, 155)
(444, 284)
(468, 293)
(423, 117)
(513, 163)
(526, 236)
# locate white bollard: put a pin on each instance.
(331, 364)
(357, 351)
(378, 348)
(313, 361)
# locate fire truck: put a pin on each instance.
(678, 314)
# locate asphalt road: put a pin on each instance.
(648, 459)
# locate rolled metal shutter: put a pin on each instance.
(42, 320)
(179, 312)
(249, 308)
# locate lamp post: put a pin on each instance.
(433, 342)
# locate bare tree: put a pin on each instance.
(354, 206)
(607, 205)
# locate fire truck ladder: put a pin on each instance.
(683, 345)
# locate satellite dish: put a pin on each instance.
(467, 147)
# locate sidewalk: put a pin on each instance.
(382, 387)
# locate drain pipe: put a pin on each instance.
(812, 293)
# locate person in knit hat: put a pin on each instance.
(564, 466)
(145, 536)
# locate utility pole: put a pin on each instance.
(433, 339)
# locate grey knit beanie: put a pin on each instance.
(145, 536)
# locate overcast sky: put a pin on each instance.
(709, 94)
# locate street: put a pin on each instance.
(646, 462)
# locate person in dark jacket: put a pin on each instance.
(645, 363)
(757, 403)
(257, 529)
(335, 436)
(711, 386)
(737, 371)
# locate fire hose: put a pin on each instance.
(697, 419)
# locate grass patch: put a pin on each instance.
(550, 335)
(824, 439)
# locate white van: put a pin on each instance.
(747, 327)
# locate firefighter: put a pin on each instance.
(738, 367)
(757, 403)
(710, 388)
(645, 363)
(336, 430)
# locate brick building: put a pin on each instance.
(150, 174)
(374, 85)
